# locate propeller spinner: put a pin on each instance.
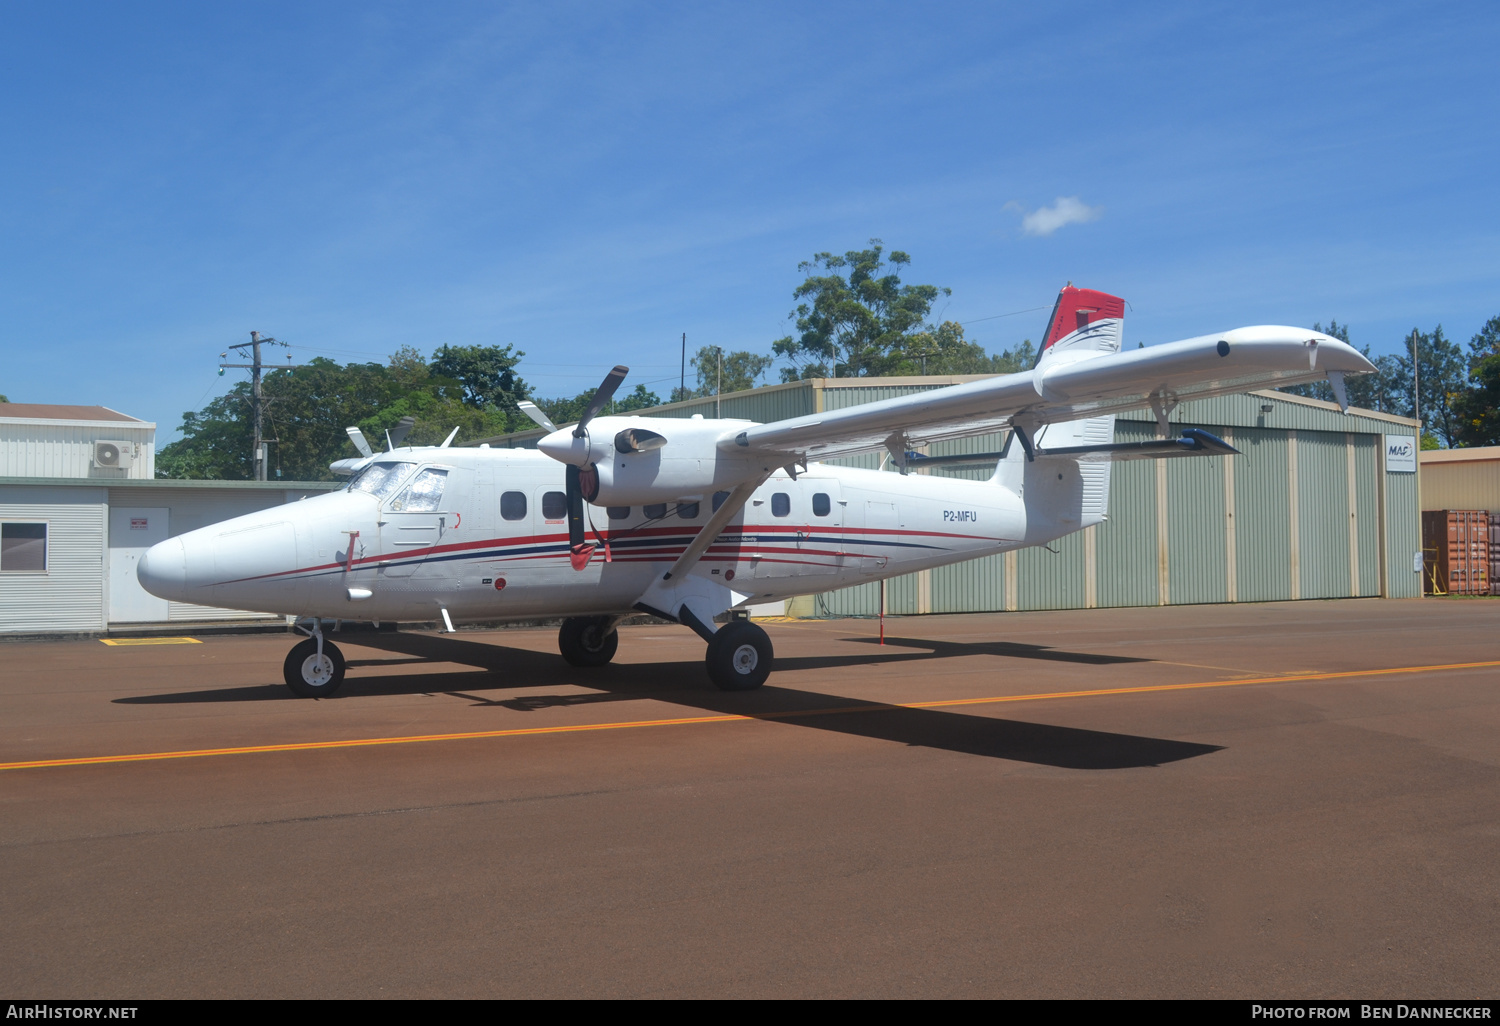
(572, 446)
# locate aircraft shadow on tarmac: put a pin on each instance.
(1020, 741)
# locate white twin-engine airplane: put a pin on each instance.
(689, 519)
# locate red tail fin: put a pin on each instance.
(1077, 311)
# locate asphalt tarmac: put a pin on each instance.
(1257, 801)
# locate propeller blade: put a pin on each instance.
(534, 411)
(579, 551)
(360, 442)
(397, 434)
(601, 398)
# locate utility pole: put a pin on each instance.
(719, 382)
(1416, 386)
(257, 403)
(682, 384)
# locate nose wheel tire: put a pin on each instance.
(312, 676)
(587, 640)
(739, 656)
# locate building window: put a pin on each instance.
(23, 548)
(781, 504)
(513, 505)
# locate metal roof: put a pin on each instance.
(165, 482)
(48, 411)
(1472, 455)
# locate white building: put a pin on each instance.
(80, 503)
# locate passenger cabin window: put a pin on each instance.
(719, 498)
(781, 504)
(554, 506)
(513, 506)
(380, 479)
(687, 510)
(619, 512)
(822, 506)
(23, 548)
(424, 494)
(656, 511)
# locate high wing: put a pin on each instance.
(1071, 386)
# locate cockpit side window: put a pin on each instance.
(424, 494)
(380, 479)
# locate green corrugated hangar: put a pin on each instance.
(1321, 505)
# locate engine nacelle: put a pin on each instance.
(636, 461)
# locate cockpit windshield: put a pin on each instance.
(381, 479)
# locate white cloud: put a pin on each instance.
(1067, 210)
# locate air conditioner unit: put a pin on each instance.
(114, 455)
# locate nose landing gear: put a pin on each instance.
(314, 668)
(588, 640)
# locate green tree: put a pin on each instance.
(854, 324)
(570, 410)
(1444, 380)
(739, 372)
(486, 373)
(945, 350)
(308, 408)
(1479, 409)
(640, 399)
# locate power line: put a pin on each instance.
(1013, 313)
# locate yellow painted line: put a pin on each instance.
(1296, 679)
(150, 641)
(308, 746)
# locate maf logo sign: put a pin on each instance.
(1400, 454)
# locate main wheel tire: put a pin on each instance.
(311, 677)
(587, 640)
(740, 656)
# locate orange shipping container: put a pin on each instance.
(1456, 551)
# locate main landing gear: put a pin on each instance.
(314, 668)
(739, 656)
(739, 653)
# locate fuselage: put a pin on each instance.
(482, 533)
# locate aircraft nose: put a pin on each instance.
(163, 569)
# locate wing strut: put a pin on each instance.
(715, 526)
(692, 599)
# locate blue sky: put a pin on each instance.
(589, 181)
